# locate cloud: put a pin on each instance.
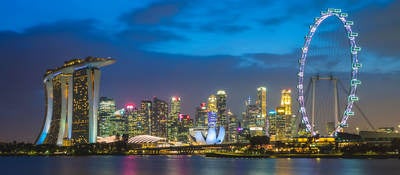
(246, 62)
(140, 37)
(268, 61)
(316, 63)
(378, 27)
(71, 26)
(273, 22)
(223, 28)
(155, 14)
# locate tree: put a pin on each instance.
(259, 140)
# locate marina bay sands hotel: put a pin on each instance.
(72, 95)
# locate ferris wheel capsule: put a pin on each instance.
(353, 98)
(337, 10)
(355, 82)
(353, 34)
(349, 113)
(349, 23)
(357, 66)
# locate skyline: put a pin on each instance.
(189, 49)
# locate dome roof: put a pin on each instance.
(145, 139)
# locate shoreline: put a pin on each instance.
(311, 156)
(229, 155)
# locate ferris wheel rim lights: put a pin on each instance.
(355, 66)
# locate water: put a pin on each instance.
(192, 165)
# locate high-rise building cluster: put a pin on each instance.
(281, 120)
(154, 117)
(255, 114)
(76, 115)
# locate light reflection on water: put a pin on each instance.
(193, 165)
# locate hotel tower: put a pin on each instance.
(72, 96)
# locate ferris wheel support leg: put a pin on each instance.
(313, 80)
(335, 94)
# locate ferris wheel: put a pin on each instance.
(354, 69)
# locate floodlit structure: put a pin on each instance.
(211, 137)
(262, 101)
(106, 111)
(72, 96)
(286, 101)
(221, 108)
(212, 103)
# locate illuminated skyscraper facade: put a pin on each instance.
(212, 103)
(221, 108)
(184, 124)
(72, 102)
(175, 107)
(255, 117)
(107, 109)
(135, 123)
(173, 119)
(146, 111)
(281, 121)
(232, 132)
(253, 121)
(202, 116)
(272, 118)
(159, 118)
(262, 101)
(286, 101)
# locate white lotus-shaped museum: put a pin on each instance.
(211, 136)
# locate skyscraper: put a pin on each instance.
(146, 111)
(272, 118)
(184, 124)
(159, 118)
(232, 132)
(253, 120)
(255, 116)
(262, 105)
(212, 103)
(107, 109)
(286, 101)
(201, 116)
(175, 107)
(72, 101)
(119, 123)
(135, 123)
(282, 120)
(262, 101)
(173, 118)
(221, 108)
